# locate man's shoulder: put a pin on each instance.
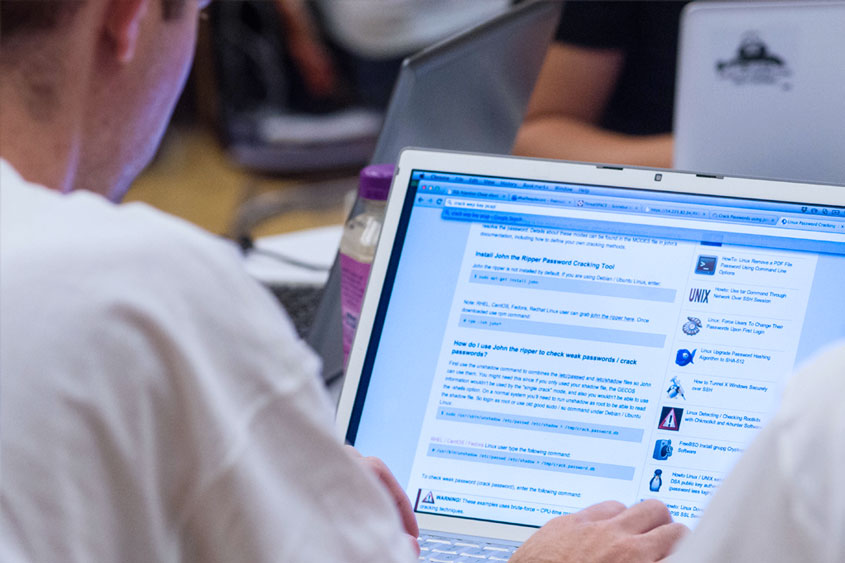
(818, 385)
(189, 276)
(134, 248)
(152, 241)
(143, 237)
(83, 226)
(129, 290)
(93, 263)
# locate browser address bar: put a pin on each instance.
(470, 204)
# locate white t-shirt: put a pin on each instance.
(396, 28)
(156, 405)
(785, 499)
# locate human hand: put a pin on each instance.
(605, 533)
(403, 503)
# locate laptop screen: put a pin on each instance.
(540, 347)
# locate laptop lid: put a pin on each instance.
(468, 92)
(538, 336)
(761, 89)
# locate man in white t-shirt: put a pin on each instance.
(785, 499)
(156, 404)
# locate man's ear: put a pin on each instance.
(123, 26)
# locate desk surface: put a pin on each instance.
(193, 178)
(316, 247)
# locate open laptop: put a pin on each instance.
(761, 89)
(538, 336)
(468, 92)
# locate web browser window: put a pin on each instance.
(546, 346)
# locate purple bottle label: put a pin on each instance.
(353, 276)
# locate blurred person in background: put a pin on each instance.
(366, 40)
(607, 87)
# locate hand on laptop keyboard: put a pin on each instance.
(394, 489)
(605, 532)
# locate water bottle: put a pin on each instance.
(358, 245)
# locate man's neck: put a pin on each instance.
(42, 144)
(42, 108)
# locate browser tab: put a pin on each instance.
(741, 217)
(469, 192)
(593, 204)
(624, 206)
(810, 224)
(676, 211)
(529, 198)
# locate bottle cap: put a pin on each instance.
(375, 181)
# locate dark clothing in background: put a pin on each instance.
(643, 98)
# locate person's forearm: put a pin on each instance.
(302, 38)
(569, 139)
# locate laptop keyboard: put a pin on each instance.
(437, 548)
(300, 302)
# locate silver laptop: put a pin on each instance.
(539, 336)
(468, 92)
(761, 89)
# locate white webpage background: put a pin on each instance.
(593, 376)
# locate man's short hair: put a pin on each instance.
(25, 22)
(34, 15)
(17, 16)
